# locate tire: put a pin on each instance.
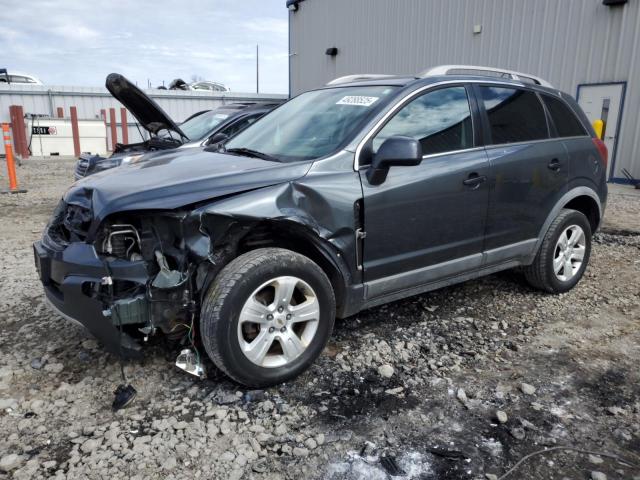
(541, 273)
(258, 275)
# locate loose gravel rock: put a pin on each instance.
(501, 416)
(418, 381)
(10, 462)
(527, 389)
(385, 371)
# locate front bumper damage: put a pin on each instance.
(72, 279)
(129, 273)
(123, 282)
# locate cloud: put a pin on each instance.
(74, 32)
(275, 26)
(66, 42)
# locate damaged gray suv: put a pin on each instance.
(366, 191)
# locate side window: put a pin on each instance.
(563, 118)
(440, 120)
(240, 125)
(514, 115)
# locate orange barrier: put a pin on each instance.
(11, 167)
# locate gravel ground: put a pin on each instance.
(460, 383)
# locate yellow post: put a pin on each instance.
(598, 126)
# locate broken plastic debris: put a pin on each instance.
(165, 278)
(391, 466)
(124, 396)
(188, 362)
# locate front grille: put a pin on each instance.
(69, 223)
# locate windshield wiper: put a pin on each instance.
(251, 153)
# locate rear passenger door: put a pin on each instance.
(528, 169)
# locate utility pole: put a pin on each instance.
(257, 70)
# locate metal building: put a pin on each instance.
(588, 48)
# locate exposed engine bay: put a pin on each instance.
(154, 143)
(166, 302)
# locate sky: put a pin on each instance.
(79, 42)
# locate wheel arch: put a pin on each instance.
(588, 206)
(580, 198)
(298, 238)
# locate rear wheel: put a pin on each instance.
(563, 255)
(267, 316)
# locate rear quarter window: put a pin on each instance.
(514, 115)
(565, 121)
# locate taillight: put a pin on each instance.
(602, 150)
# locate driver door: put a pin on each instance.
(426, 223)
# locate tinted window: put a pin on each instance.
(440, 120)
(198, 127)
(563, 118)
(514, 115)
(240, 125)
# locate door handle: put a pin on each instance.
(474, 180)
(554, 165)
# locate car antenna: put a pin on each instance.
(124, 393)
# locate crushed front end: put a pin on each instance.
(124, 278)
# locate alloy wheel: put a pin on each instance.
(278, 321)
(569, 253)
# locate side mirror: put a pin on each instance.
(218, 137)
(394, 151)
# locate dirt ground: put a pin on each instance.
(460, 383)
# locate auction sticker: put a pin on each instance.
(357, 100)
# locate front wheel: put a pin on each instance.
(563, 255)
(267, 316)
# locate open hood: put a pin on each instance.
(147, 112)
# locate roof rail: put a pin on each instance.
(479, 70)
(358, 77)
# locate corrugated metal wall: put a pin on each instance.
(44, 100)
(568, 42)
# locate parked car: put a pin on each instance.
(17, 77)
(209, 86)
(179, 84)
(198, 130)
(360, 193)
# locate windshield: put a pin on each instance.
(311, 125)
(200, 126)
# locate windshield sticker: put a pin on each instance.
(357, 100)
(221, 116)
